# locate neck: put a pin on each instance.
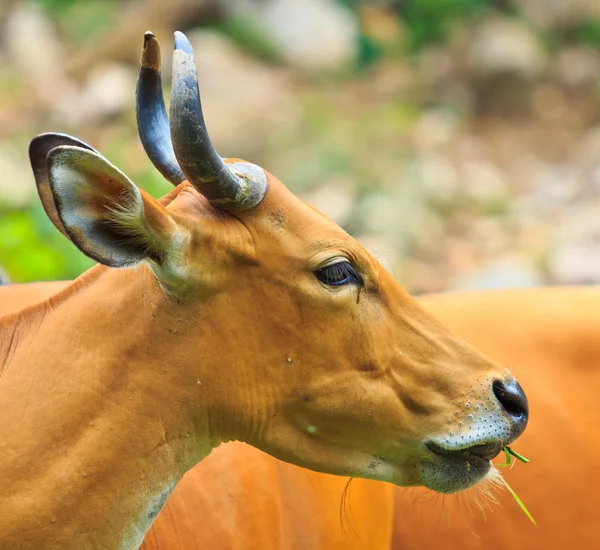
(96, 424)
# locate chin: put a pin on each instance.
(454, 474)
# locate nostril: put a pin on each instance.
(512, 397)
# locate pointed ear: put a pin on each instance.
(105, 215)
(39, 148)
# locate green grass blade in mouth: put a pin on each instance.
(509, 453)
(519, 501)
(516, 455)
(508, 458)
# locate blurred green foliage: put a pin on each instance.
(31, 248)
(56, 5)
(588, 33)
(249, 37)
(426, 21)
(81, 20)
(429, 21)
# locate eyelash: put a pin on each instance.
(341, 273)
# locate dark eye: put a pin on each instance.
(342, 273)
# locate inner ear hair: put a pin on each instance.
(125, 218)
(105, 214)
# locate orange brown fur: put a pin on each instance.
(113, 389)
(240, 498)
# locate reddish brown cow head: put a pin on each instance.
(306, 347)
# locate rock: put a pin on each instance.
(17, 187)
(435, 128)
(381, 249)
(398, 217)
(501, 44)
(34, 50)
(436, 65)
(428, 238)
(122, 42)
(246, 103)
(312, 34)
(334, 197)
(378, 214)
(556, 13)
(587, 156)
(109, 89)
(577, 66)
(390, 79)
(437, 176)
(489, 236)
(576, 263)
(404, 220)
(420, 277)
(459, 256)
(483, 181)
(439, 77)
(555, 186)
(508, 272)
(550, 103)
(574, 256)
(525, 213)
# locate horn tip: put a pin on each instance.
(182, 43)
(151, 52)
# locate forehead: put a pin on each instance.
(283, 215)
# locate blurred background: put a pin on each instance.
(459, 140)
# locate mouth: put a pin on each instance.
(485, 452)
(453, 470)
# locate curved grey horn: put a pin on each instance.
(237, 186)
(152, 120)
